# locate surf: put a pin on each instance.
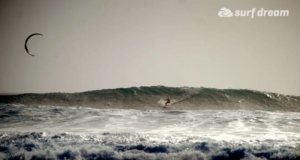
(153, 98)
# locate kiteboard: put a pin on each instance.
(167, 107)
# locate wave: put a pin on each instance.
(51, 132)
(41, 145)
(153, 97)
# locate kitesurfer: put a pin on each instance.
(168, 101)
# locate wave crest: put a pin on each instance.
(154, 98)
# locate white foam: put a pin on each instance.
(219, 125)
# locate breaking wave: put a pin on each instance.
(37, 146)
(183, 98)
(129, 123)
(50, 132)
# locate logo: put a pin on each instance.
(224, 12)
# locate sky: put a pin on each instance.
(102, 44)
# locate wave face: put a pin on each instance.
(50, 132)
(183, 98)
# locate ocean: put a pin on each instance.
(126, 124)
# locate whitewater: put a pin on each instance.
(39, 131)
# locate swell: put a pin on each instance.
(153, 98)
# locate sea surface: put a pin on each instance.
(200, 124)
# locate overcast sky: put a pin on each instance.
(89, 45)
